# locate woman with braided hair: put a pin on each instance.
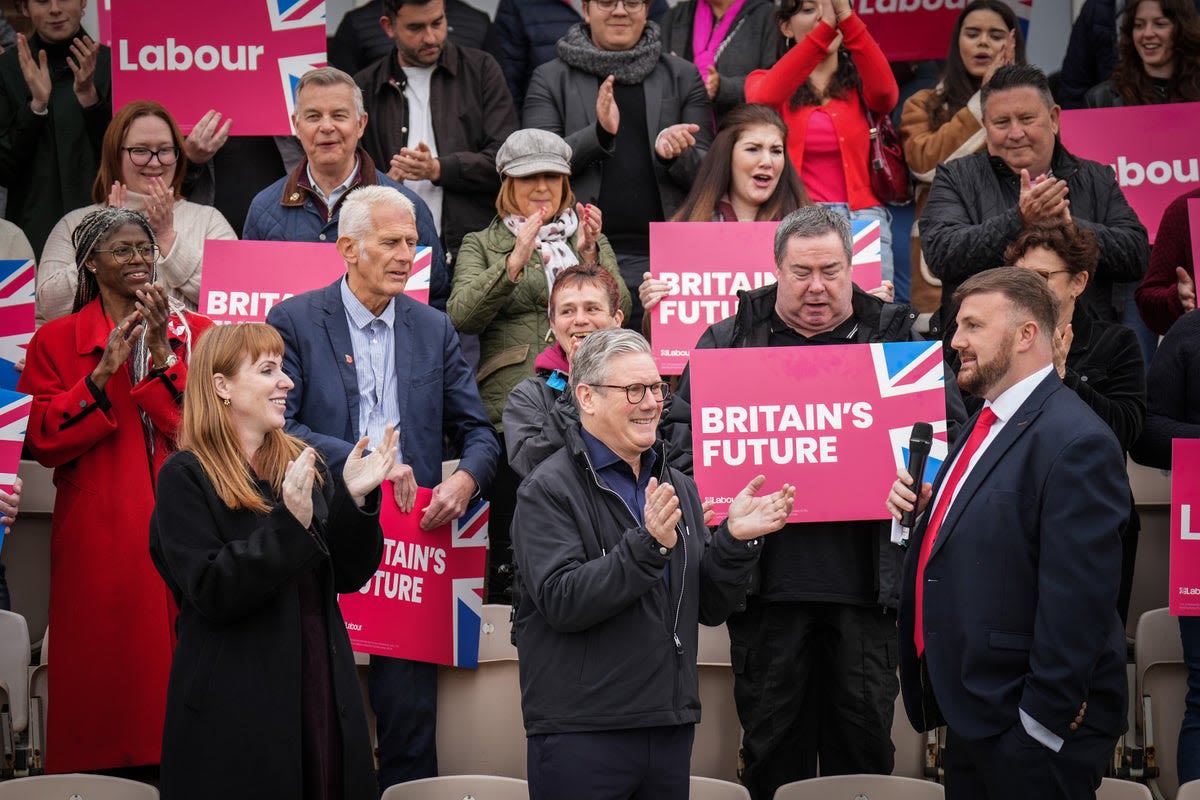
(106, 382)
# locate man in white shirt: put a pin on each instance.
(439, 112)
(1008, 625)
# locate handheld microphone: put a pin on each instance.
(919, 443)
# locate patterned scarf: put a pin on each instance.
(554, 242)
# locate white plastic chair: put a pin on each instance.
(459, 787)
(849, 787)
(1112, 789)
(76, 787)
(712, 789)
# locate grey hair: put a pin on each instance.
(1017, 76)
(331, 76)
(354, 220)
(590, 364)
(811, 221)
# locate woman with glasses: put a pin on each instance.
(106, 381)
(142, 166)
(1100, 361)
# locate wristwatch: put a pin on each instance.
(171, 361)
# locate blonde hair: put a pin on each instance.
(506, 201)
(207, 430)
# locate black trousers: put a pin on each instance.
(813, 681)
(1015, 765)
(404, 699)
(635, 764)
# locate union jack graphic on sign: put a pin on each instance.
(16, 316)
(14, 419)
(907, 367)
(288, 14)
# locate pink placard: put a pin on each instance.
(425, 601)
(241, 57)
(916, 30)
(708, 263)
(1185, 527)
(1193, 209)
(1152, 149)
(17, 315)
(832, 420)
(241, 280)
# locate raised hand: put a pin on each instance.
(526, 241)
(36, 73)
(1043, 200)
(207, 137)
(1063, 336)
(155, 309)
(117, 348)
(673, 141)
(607, 113)
(82, 62)
(160, 213)
(118, 195)
(590, 223)
(1006, 56)
(752, 515)
(298, 486)
(363, 473)
(661, 512)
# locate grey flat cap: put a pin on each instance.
(531, 151)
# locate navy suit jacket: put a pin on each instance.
(1021, 584)
(437, 389)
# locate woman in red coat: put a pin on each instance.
(106, 383)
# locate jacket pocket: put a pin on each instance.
(1003, 497)
(1005, 640)
(507, 357)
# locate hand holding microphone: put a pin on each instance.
(903, 501)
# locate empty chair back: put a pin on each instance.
(713, 789)
(459, 787)
(719, 734)
(854, 787)
(1165, 683)
(14, 666)
(1189, 791)
(76, 787)
(1112, 789)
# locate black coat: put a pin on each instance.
(971, 218)
(605, 644)
(234, 702)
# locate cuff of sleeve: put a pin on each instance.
(98, 394)
(975, 106)
(451, 171)
(1040, 732)
(736, 548)
(660, 555)
(605, 138)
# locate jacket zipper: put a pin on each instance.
(683, 539)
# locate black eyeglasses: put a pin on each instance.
(634, 392)
(140, 156)
(632, 6)
(124, 253)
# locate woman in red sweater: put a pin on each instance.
(831, 67)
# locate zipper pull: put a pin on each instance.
(678, 644)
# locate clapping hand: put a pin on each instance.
(673, 141)
(712, 82)
(207, 137)
(363, 473)
(298, 485)
(661, 512)
(82, 62)
(36, 72)
(117, 348)
(752, 515)
(607, 113)
(526, 240)
(590, 223)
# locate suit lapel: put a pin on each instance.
(337, 328)
(402, 334)
(1009, 435)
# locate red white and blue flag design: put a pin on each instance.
(14, 419)
(425, 600)
(17, 299)
(833, 420)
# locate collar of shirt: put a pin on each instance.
(618, 475)
(842, 333)
(359, 315)
(1015, 396)
(331, 199)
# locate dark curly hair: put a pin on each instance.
(1133, 84)
(1076, 246)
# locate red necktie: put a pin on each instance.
(982, 426)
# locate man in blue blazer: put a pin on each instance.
(364, 356)
(1008, 623)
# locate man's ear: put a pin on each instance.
(585, 399)
(348, 248)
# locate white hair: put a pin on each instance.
(354, 219)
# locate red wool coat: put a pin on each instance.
(112, 616)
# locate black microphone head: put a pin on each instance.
(921, 438)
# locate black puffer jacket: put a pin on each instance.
(971, 217)
(605, 644)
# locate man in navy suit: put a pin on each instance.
(1008, 623)
(364, 356)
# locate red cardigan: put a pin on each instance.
(775, 86)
